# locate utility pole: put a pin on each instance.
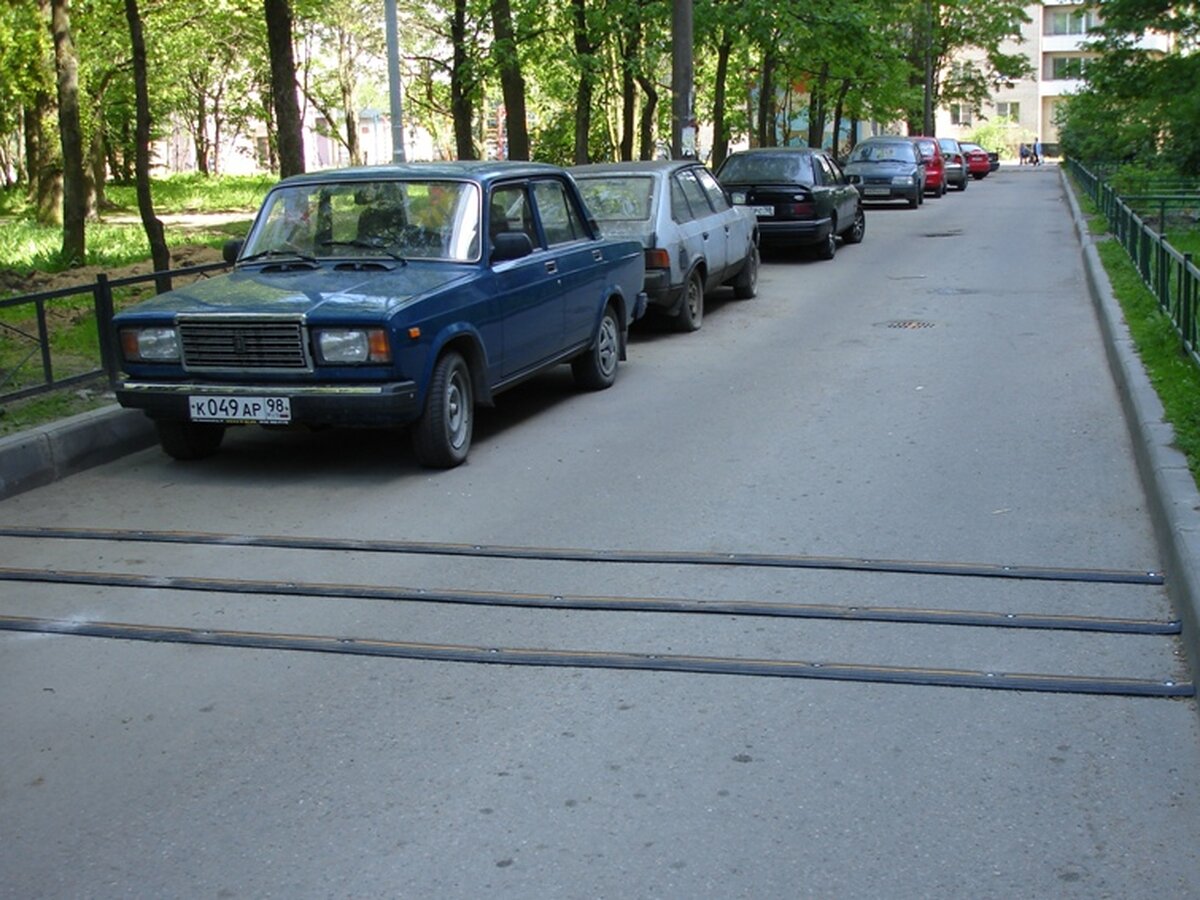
(683, 118)
(395, 89)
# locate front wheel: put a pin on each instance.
(596, 368)
(189, 440)
(442, 436)
(858, 228)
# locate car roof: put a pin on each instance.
(634, 167)
(886, 139)
(473, 170)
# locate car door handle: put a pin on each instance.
(597, 256)
(704, 234)
(552, 267)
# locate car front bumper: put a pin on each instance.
(391, 403)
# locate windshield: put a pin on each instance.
(891, 151)
(618, 198)
(386, 219)
(768, 168)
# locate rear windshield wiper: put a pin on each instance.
(366, 245)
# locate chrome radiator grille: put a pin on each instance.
(243, 344)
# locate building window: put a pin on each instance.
(1071, 20)
(960, 114)
(1009, 111)
(1067, 67)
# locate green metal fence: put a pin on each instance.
(1140, 223)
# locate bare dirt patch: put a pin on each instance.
(33, 282)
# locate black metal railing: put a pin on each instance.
(1140, 222)
(27, 364)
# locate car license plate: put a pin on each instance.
(763, 210)
(267, 410)
(877, 192)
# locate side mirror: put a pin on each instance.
(231, 250)
(511, 245)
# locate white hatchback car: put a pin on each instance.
(695, 239)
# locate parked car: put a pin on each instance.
(978, 163)
(694, 238)
(385, 296)
(935, 166)
(955, 163)
(799, 194)
(887, 168)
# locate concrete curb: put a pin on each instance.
(42, 455)
(1171, 491)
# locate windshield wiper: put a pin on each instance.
(366, 245)
(276, 253)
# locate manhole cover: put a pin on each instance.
(910, 324)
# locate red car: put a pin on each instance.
(978, 163)
(935, 164)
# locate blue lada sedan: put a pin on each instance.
(386, 296)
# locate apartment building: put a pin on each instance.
(1055, 41)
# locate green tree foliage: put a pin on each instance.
(1139, 105)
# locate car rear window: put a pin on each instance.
(768, 168)
(618, 198)
(890, 151)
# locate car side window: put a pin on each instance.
(680, 210)
(712, 188)
(509, 210)
(560, 220)
(836, 175)
(694, 192)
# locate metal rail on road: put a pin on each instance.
(710, 665)
(856, 613)
(561, 554)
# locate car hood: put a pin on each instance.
(330, 290)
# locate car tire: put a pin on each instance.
(827, 249)
(858, 228)
(745, 286)
(915, 200)
(596, 368)
(441, 438)
(189, 440)
(962, 185)
(691, 309)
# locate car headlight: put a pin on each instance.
(902, 180)
(158, 344)
(738, 197)
(353, 345)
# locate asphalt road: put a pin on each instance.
(898, 455)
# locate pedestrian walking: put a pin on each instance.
(1037, 151)
(1024, 153)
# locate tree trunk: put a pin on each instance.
(290, 134)
(512, 82)
(838, 110)
(766, 102)
(583, 94)
(629, 124)
(75, 194)
(720, 148)
(159, 253)
(649, 111)
(817, 108)
(461, 108)
(349, 110)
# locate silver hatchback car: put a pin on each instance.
(695, 239)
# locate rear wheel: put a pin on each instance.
(691, 311)
(827, 249)
(442, 436)
(746, 284)
(858, 228)
(596, 368)
(189, 440)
